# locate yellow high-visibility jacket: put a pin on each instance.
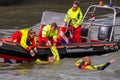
(24, 37)
(74, 16)
(46, 34)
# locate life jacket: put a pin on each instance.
(81, 64)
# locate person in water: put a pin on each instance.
(50, 59)
(85, 63)
(26, 38)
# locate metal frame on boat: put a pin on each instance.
(114, 8)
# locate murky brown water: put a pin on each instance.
(28, 13)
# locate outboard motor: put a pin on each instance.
(84, 33)
(104, 32)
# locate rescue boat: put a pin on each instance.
(98, 37)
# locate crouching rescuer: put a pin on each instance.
(48, 36)
(26, 38)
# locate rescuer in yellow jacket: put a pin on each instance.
(48, 35)
(26, 38)
(74, 19)
(85, 63)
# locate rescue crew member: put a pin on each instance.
(85, 63)
(74, 17)
(26, 38)
(48, 35)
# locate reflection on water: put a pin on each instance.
(27, 14)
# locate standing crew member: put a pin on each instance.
(26, 38)
(85, 63)
(48, 35)
(74, 16)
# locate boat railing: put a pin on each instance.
(97, 24)
(91, 25)
(115, 9)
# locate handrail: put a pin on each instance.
(114, 8)
(97, 24)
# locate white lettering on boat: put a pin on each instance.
(79, 50)
(110, 47)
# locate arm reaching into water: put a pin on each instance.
(111, 61)
(104, 66)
